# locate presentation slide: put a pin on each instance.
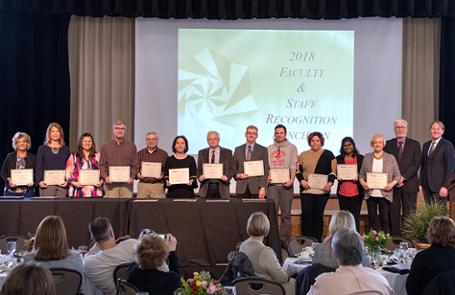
(228, 79)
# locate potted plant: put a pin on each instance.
(415, 226)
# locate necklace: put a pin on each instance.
(55, 150)
(374, 155)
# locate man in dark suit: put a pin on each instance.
(407, 154)
(250, 186)
(214, 154)
(437, 165)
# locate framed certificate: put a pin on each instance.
(179, 176)
(119, 173)
(89, 176)
(280, 175)
(253, 168)
(317, 181)
(212, 171)
(54, 177)
(347, 171)
(376, 180)
(151, 169)
(21, 176)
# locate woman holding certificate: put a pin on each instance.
(349, 191)
(180, 171)
(82, 170)
(51, 163)
(17, 169)
(378, 175)
(316, 174)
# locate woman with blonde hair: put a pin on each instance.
(263, 258)
(51, 249)
(20, 158)
(29, 279)
(438, 258)
(323, 253)
(52, 155)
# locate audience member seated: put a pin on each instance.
(105, 255)
(264, 260)
(437, 259)
(351, 276)
(152, 274)
(323, 253)
(29, 279)
(51, 249)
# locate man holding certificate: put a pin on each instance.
(17, 169)
(214, 168)
(378, 176)
(151, 161)
(251, 162)
(82, 170)
(282, 160)
(118, 163)
(180, 171)
(316, 174)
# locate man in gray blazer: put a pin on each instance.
(250, 186)
(214, 154)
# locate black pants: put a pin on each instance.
(381, 221)
(213, 190)
(312, 220)
(430, 196)
(402, 201)
(353, 205)
(247, 195)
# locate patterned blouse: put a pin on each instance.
(73, 168)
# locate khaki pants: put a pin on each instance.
(119, 190)
(53, 191)
(150, 191)
(282, 197)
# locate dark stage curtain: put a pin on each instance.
(447, 78)
(234, 9)
(34, 79)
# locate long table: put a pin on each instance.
(206, 230)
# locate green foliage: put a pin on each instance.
(415, 226)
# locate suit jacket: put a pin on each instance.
(389, 166)
(254, 182)
(10, 163)
(409, 162)
(437, 168)
(226, 160)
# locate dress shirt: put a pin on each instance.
(246, 149)
(435, 141)
(217, 155)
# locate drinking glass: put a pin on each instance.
(11, 246)
(82, 250)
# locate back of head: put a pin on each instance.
(341, 219)
(100, 229)
(51, 241)
(258, 225)
(348, 247)
(442, 231)
(29, 279)
(151, 252)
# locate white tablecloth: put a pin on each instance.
(396, 281)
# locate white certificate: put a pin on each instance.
(119, 173)
(347, 171)
(253, 168)
(212, 171)
(317, 181)
(21, 176)
(54, 177)
(280, 175)
(151, 169)
(376, 180)
(89, 176)
(179, 176)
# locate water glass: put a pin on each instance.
(228, 290)
(83, 249)
(11, 246)
(142, 293)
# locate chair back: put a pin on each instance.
(121, 271)
(66, 281)
(307, 276)
(20, 243)
(367, 292)
(296, 244)
(394, 242)
(125, 288)
(257, 286)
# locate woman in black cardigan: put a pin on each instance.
(21, 158)
(350, 192)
